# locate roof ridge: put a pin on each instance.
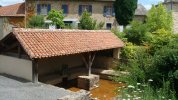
(13, 4)
(16, 30)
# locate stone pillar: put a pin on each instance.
(88, 82)
(116, 53)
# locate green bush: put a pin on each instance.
(137, 33)
(147, 92)
(88, 23)
(36, 22)
(56, 17)
(159, 18)
(159, 39)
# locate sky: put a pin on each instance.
(146, 3)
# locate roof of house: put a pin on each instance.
(165, 1)
(41, 43)
(141, 10)
(13, 10)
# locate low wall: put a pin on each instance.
(16, 67)
(104, 62)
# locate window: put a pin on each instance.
(43, 9)
(108, 11)
(65, 9)
(108, 26)
(83, 8)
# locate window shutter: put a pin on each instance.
(49, 8)
(38, 9)
(65, 9)
(104, 11)
(113, 11)
(90, 9)
(80, 10)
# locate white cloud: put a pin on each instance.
(9, 2)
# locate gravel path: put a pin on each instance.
(12, 88)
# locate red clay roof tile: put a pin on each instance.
(13, 10)
(41, 43)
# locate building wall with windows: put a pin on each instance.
(173, 6)
(102, 11)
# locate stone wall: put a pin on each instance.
(7, 23)
(175, 17)
(140, 18)
(54, 65)
(175, 14)
(97, 8)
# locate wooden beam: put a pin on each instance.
(19, 51)
(11, 46)
(34, 71)
(89, 62)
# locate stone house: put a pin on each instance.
(18, 15)
(101, 10)
(49, 56)
(140, 13)
(173, 5)
(11, 16)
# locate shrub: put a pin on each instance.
(159, 18)
(159, 39)
(56, 17)
(147, 92)
(137, 33)
(120, 35)
(87, 23)
(36, 22)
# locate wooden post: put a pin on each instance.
(89, 63)
(34, 71)
(19, 51)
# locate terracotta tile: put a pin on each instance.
(13, 10)
(40, 43)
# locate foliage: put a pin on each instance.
(159, 18)
(147, 92)
(119, 34)
(129, 51)
(87, 23)
(137, 33)
(100, 25)
(36, 22)
(124, 11)
(159, 39)
(152, 54)
(56, 17)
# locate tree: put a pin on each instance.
(137, 33)
(56, 17)
(159, 18)
(124, 11)
(36, 22)
(87, 23)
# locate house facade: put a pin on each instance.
(18, 15)
(140, 13)
(101, 10)
(173, 5)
